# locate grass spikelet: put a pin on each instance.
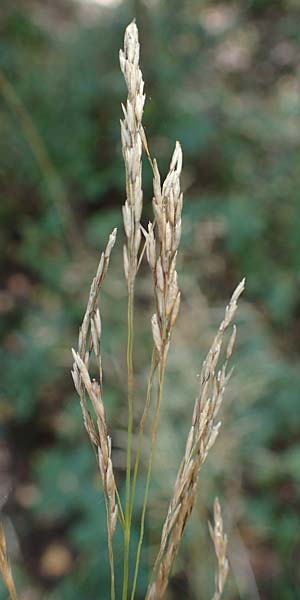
(219, 539)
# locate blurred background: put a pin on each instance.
(223, 78)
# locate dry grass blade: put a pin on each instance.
(202, 435)
(5, 567)
(220, 543)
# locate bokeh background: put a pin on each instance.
(222, 77)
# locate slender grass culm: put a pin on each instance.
(159, 242)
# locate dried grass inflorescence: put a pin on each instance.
(162, 252)
(202, 436)
(131, 134)
(95, 424)
(162, 239)
(5, 568)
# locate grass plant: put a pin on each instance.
(159, 244)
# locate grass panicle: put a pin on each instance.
(89, 342)
(132, 211)
(161, 243)
(201, 438)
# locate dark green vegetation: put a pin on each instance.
(224, 79)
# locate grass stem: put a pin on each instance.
(162, 368)
(129, 438)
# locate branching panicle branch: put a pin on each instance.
(96, 427)
(201, 438)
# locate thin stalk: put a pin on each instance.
(162, 368)
(111, 557)
(153, 368)
(120, 513)
(129, 437)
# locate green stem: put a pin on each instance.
(161, 375)
(129, 437)
(153, 367)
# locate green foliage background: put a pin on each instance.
(223, 78)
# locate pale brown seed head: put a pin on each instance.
(202, 436)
